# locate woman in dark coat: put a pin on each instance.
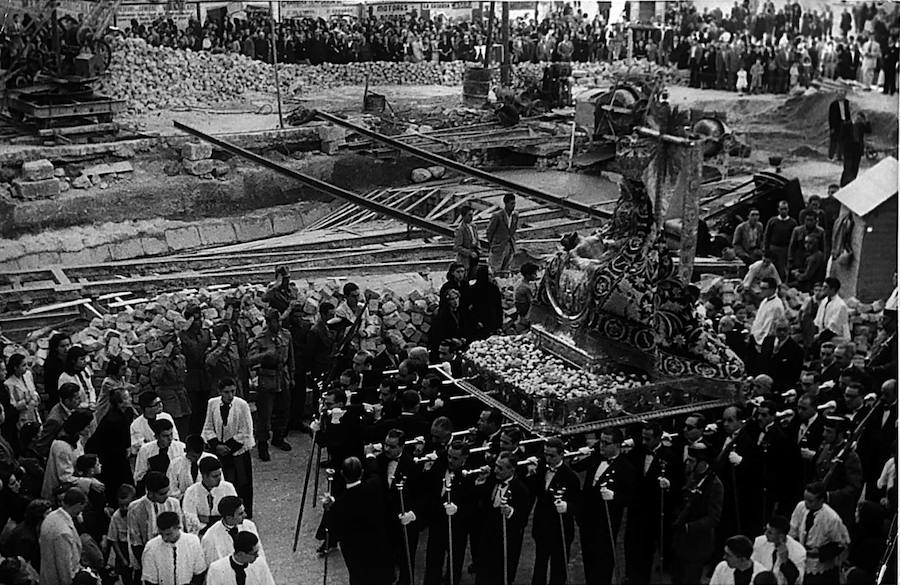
(111, 442)
(456, 280)
(449, 322)
(54, 366)
(482, 304)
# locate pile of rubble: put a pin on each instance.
(40, 179)
(144, 332)
(156, 78)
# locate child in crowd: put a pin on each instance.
(741, 84)
(117, 535)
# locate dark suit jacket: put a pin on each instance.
(545, 524)
(462, 493)
(664, 463)
(356, 519)
(784, 366)
(50, 429)
(343, 439)
(694, 529)
(835, 122)
(621, 478)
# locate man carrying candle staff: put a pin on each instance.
(504, 503)
(449, 505)
(395, 471)
(609, 486)
(557, 492)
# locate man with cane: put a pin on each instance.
(505, 504)
(609, 486)
(356, 522)
(449, 505)
(399, 478)
(556, 489)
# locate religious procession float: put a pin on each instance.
(615, 337)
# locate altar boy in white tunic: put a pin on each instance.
(218, 542)
(172, 558)
(228, 431)
(243, 567)
(201, 500)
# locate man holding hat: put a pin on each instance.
(840, 472)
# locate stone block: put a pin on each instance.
(42, 189)
(409, 331)
(154, 246)
(37, 170)
(198, 167)
(127, 249)
(253, 228)
(388, 307)
(183, 238)
(332, 134)
(217, 233)
(329, 147)
(420, 175)
(286, 223)
(425, 327)
(416, 319)
(437, 172)
(81, 182)
(391, 320)
(196, 151)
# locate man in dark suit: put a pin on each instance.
(839, 470)
(69, 399)
(410, 420)
(779, 459)
(448, 504)
(806, 431)
(839, 122)
(399, 477)
(609, 486)
(740, 478)
(320, 343)
(879, 440)
(502, 499)
(356, 522)
(556, 490)
(389, 358)
(655, 464)
(694, 528)
(781, 358)
(854, 146)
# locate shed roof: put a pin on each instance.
(870, 189)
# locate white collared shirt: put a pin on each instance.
(164, 563)
(770, 310)
(217, 542)
(833, 315)
(142, 433)
(196, 504)
(763, 553)
(148, 450)
(222, 573)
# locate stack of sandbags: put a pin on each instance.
(139, 333)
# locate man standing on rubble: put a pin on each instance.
(501, 235)
(465, 241)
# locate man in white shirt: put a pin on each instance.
(737, 564)
(833, 318)
(172, 558)
(764, 268)
(142, 514)
(218, 542)
(184, 471)
(816, 526)
(201, 500)
(151, 409)
(158, 455)
(242, 567)
(770, 311)
(228, 431)
(778, 552)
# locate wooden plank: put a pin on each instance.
(114, 295)
(75, 130)
(54, 307)
(59, 275)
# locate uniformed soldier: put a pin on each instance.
(273, 352)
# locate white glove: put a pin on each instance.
(450, 509)
(607, 494)
(327, 500)
(507, 511)
(628, 444)
(807, 454)
(734, 458)
(407, 518)
(711, 428)
(585, 450)
(664, 483)
(438, 403)
(562, 506)
(336, 414)
(314, 426)
(828, 407)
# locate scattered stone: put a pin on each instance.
(198, 167)
(437, 171)
(37, 170)
(420, 175)
(196, 151)
(81, 182)
(31, 190)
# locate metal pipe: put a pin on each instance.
(328, 188)
(564, 202)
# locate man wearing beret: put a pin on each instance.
(272, 351)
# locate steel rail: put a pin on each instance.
(563, 202)
(333, 190)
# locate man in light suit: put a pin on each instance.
(465, 241)
(228, 431)
(59, 541)
(501, 234)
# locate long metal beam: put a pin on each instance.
(563, 202)
(333, 190)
